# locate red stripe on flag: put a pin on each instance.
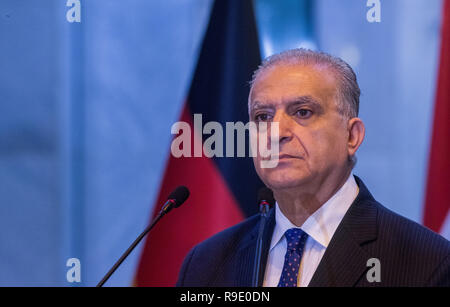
(210, 208)
(438, 186)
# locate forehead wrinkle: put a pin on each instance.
(301, 100)
(294, 77)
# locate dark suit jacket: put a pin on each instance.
(409, 254)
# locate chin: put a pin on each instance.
(284, 181)
(278, 185)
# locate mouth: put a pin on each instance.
(283, 160)
(286, 157)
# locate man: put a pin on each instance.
(326, 228)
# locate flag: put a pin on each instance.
(437, 203)
(223, 190)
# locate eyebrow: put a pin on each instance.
(305, 100)
(301, 100)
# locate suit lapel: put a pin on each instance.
(245, 256)
(343, 263)
(345, 259)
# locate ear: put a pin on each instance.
(356, 132)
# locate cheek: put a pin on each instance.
(327, 144)
(256, 163)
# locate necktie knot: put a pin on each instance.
(296, 239)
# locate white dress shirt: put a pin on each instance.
(320, 227)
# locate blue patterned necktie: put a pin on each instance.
(296, 239)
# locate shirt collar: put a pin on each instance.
(322, 224)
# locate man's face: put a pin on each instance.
(313, 135)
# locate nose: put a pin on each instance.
(284, 125)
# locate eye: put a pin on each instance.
(304, 113)
(262, 117)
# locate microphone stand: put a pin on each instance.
(165, 209)
(263, 209)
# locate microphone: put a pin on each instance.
(265, 201)
(175, 199)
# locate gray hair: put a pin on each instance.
(348, 89)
